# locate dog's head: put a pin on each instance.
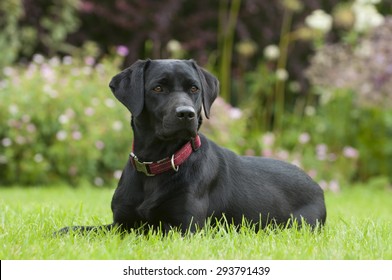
(167, 95)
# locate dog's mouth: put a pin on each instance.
(169, 132)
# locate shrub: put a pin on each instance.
(59, 121)
(354, 85)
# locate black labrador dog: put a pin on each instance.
(177, 177)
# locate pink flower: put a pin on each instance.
(267, 153)
(89, 111)
(321, 151)
(304, 138)
(334, 186)
(122, 50)
(350, 152)
(99, 145)
(76, 135)
(312, 173)
(268, 139)
(61, 135)
(323, 184)
(235, 113)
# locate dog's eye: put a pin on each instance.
(158, 89)
(194, 89)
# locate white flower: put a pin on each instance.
(98, 181)
(366, 16)
(87, 70)
(235, 113)
(8, 71)
(3, 159)
(319, 20)
(282, 74)
(6, 142)
(3, 84)
(50, 91)
(67, 60)
(271, 52)
(61, 135)
(38, 58)
(63, 119)
(54, 61)
(110, 102)
(48, 74)
(20, 140)
(246, 48)
(38, 158)
(174, 46)
(368, 1)
(117, 125)
(13, 109)
(117, 174)
(310, 111)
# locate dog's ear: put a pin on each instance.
(128, 87)
(210, 87)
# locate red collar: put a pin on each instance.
(166, 164)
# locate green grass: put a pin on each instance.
(359, 226)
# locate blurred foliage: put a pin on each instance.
(32, 26)
(55, 125)
(311, 79)
(146, 27)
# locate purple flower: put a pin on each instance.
(89, 60)
(122, 50)
(321, 151)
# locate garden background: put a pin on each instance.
(309, 82)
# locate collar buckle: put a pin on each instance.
(141, 166)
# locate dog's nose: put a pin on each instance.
(185, 113)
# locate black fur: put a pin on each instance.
(213, 182)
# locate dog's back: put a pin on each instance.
(263, 189)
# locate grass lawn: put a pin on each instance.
(359, 226)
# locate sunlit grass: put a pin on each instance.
(359, 226)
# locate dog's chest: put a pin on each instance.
(156, 192)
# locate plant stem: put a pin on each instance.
(282, 62)
(225, 43)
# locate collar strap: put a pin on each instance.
(166, 164)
